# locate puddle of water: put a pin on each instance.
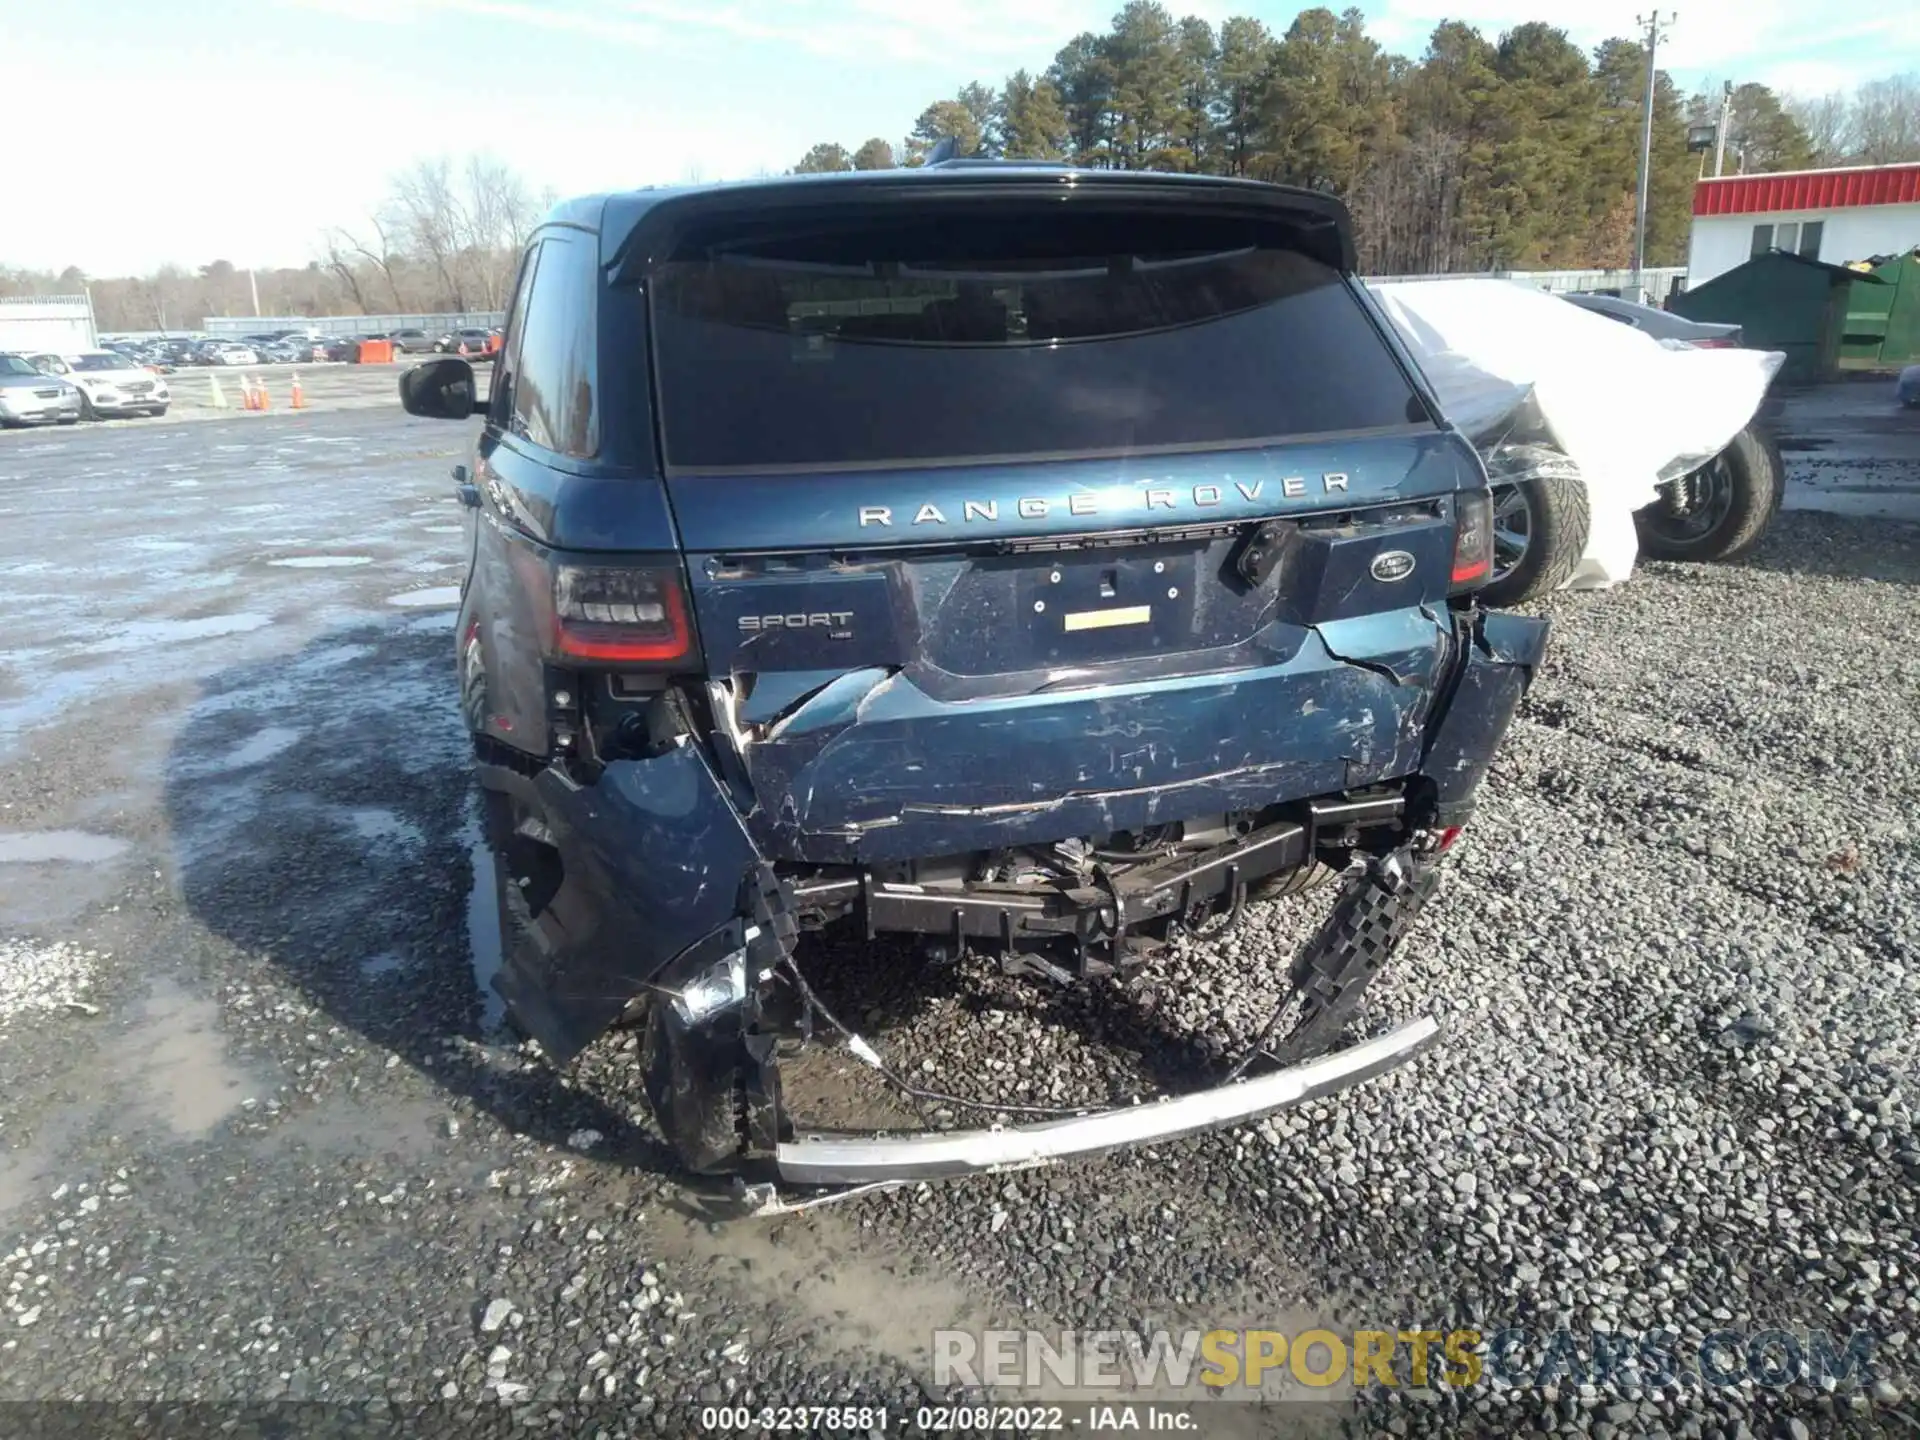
(27, 1174)
(148, 634)
(385, 963)
(483, 927)
(321, 562)
(175, 1063)
(37, 847)
(266, 744)
(439, 595)
(377, 826)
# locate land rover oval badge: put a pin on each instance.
(1392, 565)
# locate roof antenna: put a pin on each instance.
(943, 150)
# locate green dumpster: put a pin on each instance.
(1785, 302)
(1883, 321)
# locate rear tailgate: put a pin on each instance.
(1036, 526)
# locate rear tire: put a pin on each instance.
(87, 412)
(1554, 509)
(1741, 488)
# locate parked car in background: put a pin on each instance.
(409, 341)
(109, 384)
(472, 340)
(340, 348)
(228, 352)
(30, 397)
(1660, 324)
(284, 352)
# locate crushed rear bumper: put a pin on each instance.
(663, 877)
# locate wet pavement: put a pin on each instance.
(1852, 451)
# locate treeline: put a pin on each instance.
(1521, 152)
(445, 239)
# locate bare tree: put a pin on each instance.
(1886, 120)
(499, 211)
(339, 263)
(1828, 121)
(376, 253)
(427, 212)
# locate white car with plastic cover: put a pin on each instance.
(1601, 441)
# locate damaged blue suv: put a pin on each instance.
(1040, 562)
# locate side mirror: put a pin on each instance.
(440, 389)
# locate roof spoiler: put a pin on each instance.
(660, 226)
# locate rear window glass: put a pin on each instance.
(817, 359)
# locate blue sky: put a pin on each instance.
(239, 129)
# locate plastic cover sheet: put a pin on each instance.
(1537, 382)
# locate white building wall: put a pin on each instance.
(1720, 242)
(55, 324)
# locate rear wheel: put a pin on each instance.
(87, 412)
(1539, 532)
(1719, 511)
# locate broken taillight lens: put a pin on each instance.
(629, 616)
(1472, 540)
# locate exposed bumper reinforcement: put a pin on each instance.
(860, 1160)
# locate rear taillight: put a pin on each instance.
(625, 616)
(1717, 343)
(1472, 540)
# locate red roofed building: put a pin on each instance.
(1830, 215)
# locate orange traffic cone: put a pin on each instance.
(266, 396)
(299, 401)
(246, 392)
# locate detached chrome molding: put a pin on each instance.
(934, 1155)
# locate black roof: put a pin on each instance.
(638, 228)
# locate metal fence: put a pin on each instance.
(232, 325)
(1658, 282)
(57, 324)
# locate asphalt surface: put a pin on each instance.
(262, 1137)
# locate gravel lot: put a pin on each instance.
(261, 1136)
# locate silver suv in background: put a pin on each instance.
(28, 397)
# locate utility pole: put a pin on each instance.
(254, 286)
(1653, 23)
(1720, 130)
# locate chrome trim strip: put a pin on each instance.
(934, 1155)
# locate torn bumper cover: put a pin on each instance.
(666, 889)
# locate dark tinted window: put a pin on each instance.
(1810, 236)
(507, 363)
(553, 380)
(804, 355)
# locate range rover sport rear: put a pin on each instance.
(1040, 563)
